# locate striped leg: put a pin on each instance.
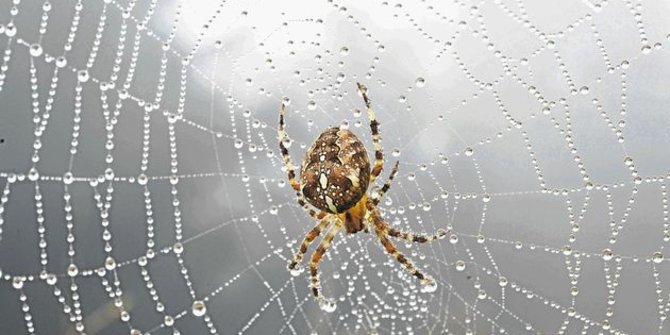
(295, 266)
(376, 137)
(387, 184)
(425, 280)
(325, 304)
(284, 151)
(290, 169)
(419, 238)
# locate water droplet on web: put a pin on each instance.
(198, 308)
(238, 143)
(340, 77)
(420, 82)
(110, 264)
(17, 282)
(178, 248)
(344, 51)
(469, 151)
(142, 179)
(35, 50)
(402, 99)
(607, 254)
(311, 105)
(68, 178)
(395, 152)
(628, 161)
(486, 197)
(584, 90)
(502, 281)
(657, 257)
(460, 265)
(82, 76)
(72, 270)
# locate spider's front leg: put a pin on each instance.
(290, 169)
(294, 266)
(376, 137)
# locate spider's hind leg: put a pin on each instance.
(382, 231)
(315, 283)
(293, 266)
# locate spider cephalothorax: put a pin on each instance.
(334, 178)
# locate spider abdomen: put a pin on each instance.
(336, 171)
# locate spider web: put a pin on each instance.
(143, 191)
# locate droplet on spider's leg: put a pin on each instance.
(295, 268)
(327, 305)
(429, 285)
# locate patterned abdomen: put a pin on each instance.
(336, 171)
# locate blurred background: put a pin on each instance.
(143, 191)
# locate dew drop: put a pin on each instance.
(311, 105)
(657, 257)
(142, 179)
(327, 305)
(82, 76)
(110, 263)
(607, 254)
(296, 270)
(68, 178)
(502, 281)
(178, 248)
(286, 101)
(420, 82)
(17, 282)
(460, 265)
(469, 151)
(35, 50)
(198, 308)
(428, 285)
(72, 270)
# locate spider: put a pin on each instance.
(334, 178)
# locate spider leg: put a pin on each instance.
(288, 163)
(376, 137)
(425, 280)
(315, 284)
(387, 184)
(410, 237)
(309, 238)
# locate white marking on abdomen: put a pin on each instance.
(323, 181)
(331, 206)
